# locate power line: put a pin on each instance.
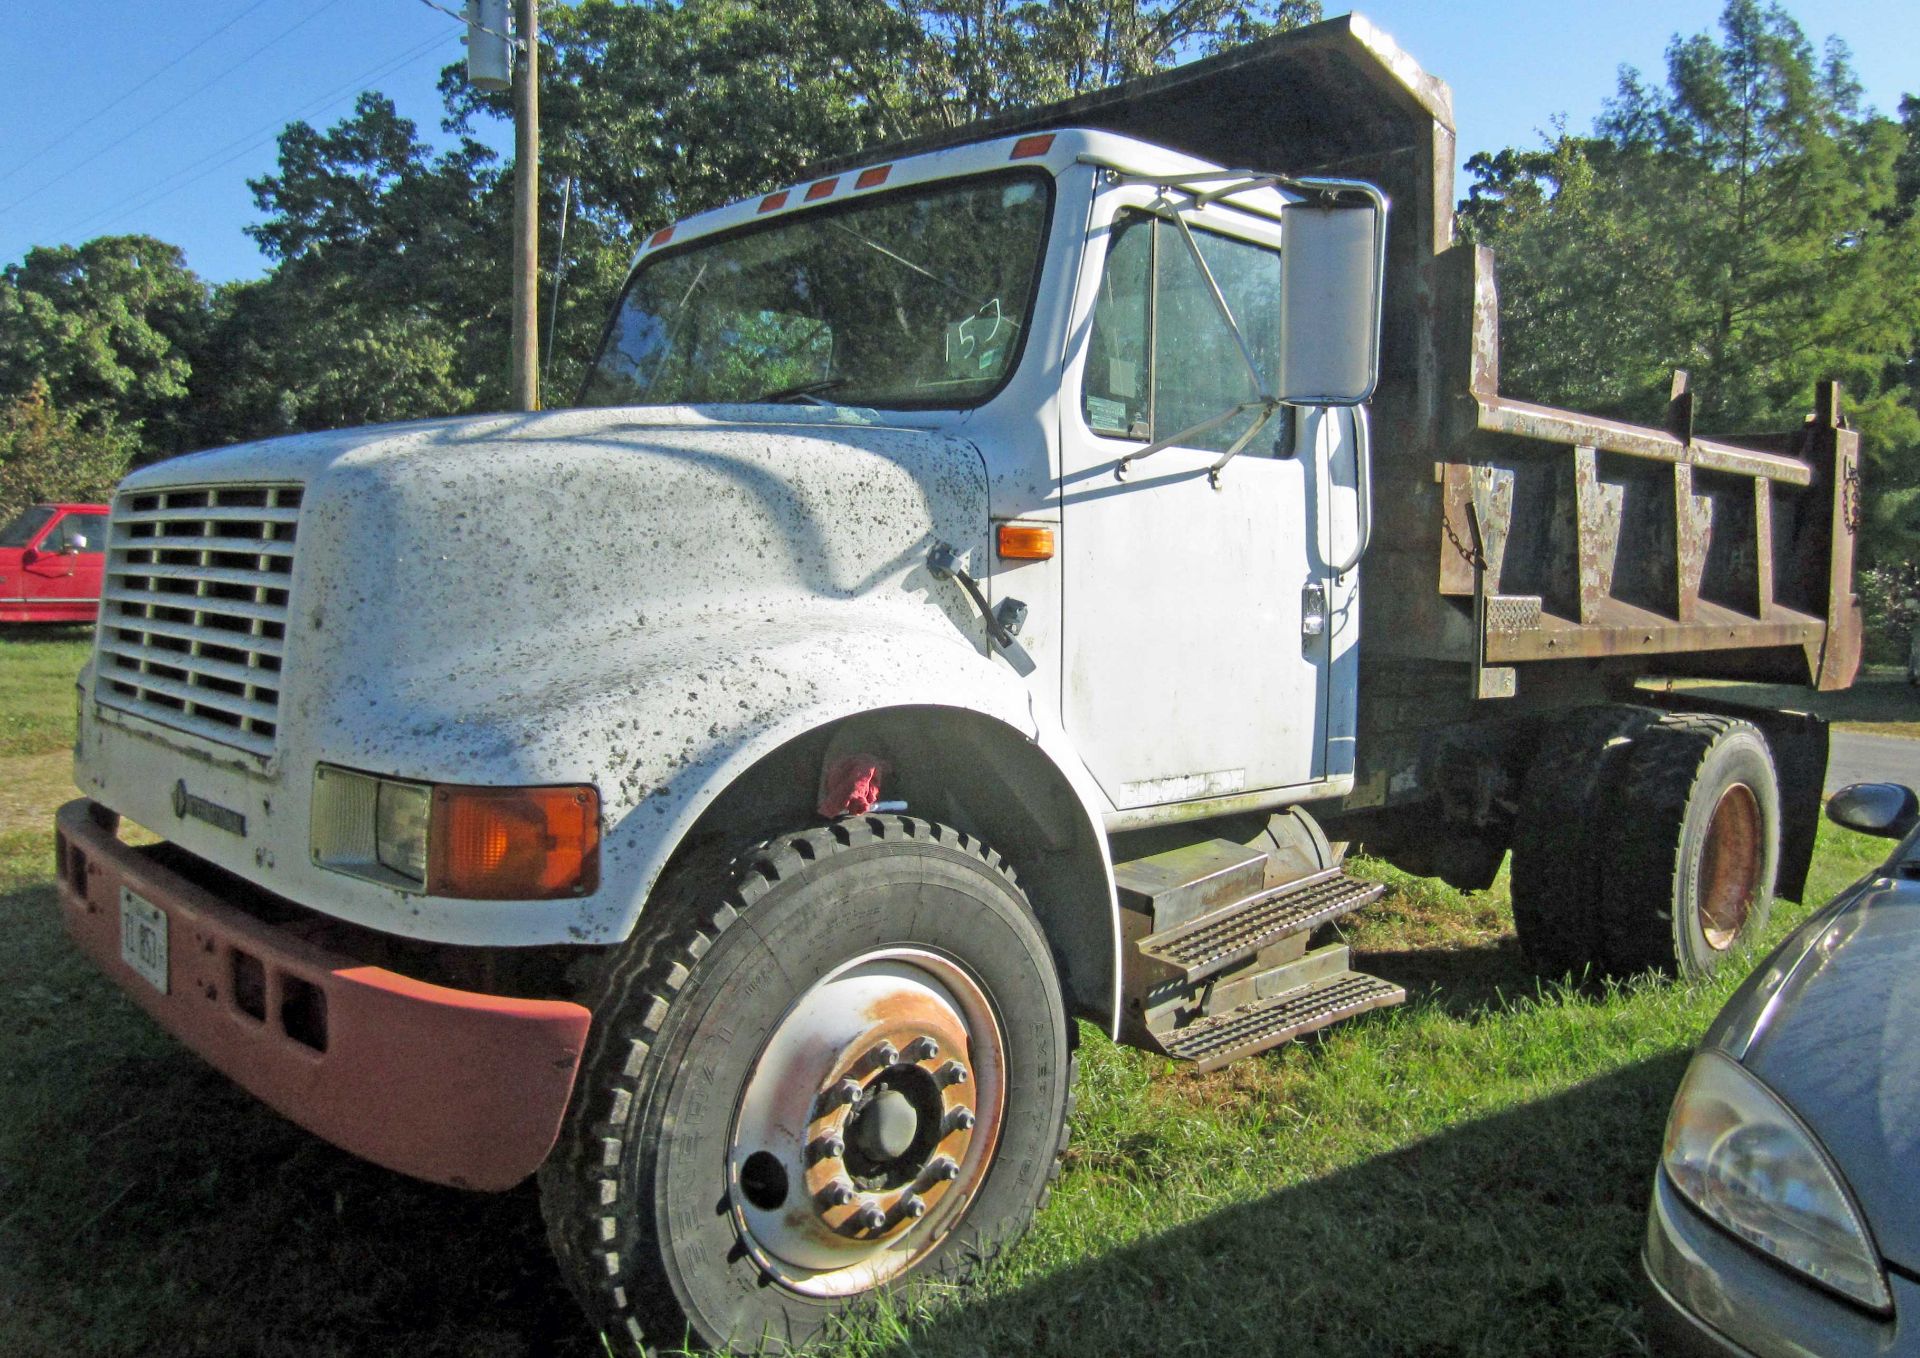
(77, 166)
(465, 22)
(105, 109)
(161, 189)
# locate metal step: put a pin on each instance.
(1212, 1042)
(1232, 934)
(1183, 883)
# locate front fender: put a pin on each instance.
(776, 688)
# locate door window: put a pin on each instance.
(73, 527)
(1160, 356)
(25, 525)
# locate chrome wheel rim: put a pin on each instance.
(867, 1123)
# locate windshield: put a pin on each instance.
(25, 525)
(913, 298)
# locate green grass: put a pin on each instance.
(1464, 1175)
(37, 669)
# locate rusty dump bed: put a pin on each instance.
(1514, 541)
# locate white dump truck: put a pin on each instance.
(978, 588)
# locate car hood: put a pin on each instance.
(1829, 1023)
(466, 575)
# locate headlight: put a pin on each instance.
(476, 843)
(400, 828)
(1740, 1155)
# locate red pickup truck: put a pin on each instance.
(52, 558)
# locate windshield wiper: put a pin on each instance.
(799, 391)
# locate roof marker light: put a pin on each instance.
(774, 201)
(1032, 146)
(872, 178)
(822, 188)
(660, 237)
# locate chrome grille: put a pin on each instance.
(193, 616)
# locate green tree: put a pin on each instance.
(1738, 222)
(48, 454)
(283, 357)
(388, 299)
(109, 327)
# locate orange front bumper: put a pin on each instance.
(446, 1085)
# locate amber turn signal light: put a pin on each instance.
(1026, 542)
(514, 843)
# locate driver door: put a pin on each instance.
(1189, 669)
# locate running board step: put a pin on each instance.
(1212, 1042)
(1234, 933)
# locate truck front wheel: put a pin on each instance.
(839, 1060)
(1694, 846)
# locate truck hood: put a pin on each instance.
(454, 579)
(1831, 1031)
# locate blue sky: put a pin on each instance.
(118, 116)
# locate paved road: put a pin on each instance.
(1856, 758)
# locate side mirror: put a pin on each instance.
(1333, 248)
(1885, 809)
(77, 543)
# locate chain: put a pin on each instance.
(1850, 497)
(1473, 556)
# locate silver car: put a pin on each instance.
(1786, 1211)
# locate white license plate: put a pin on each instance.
(143, 938)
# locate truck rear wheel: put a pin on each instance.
(1557, 839)
(1695, 846)
(840, 1062)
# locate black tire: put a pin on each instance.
(686, 1020)
(1557, 843)
(1694, 847)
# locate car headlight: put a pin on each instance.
(1741, 1156)
(473, 843)
(400, 828)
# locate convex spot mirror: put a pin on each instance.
(1332, 256)
(1885, 809)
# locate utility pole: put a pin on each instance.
(526, 207)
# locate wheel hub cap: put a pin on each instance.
(1730, 865)
(885, 1128)
(867, 1122)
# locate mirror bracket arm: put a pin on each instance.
(1220, 303)
(1125, 464)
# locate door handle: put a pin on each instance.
(1313, 610)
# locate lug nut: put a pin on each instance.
(869, 1218)
(839, 1092)
(952, 1073)
(912, 1207)
(829, 1147)
(884, 1055)
(921, 1049)
(960, 1120)
(837, 1194)
(943, 1170)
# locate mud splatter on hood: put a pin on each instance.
(454, 576)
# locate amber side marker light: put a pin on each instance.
(1025, 542)
(514, 843)
(1032, 146)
